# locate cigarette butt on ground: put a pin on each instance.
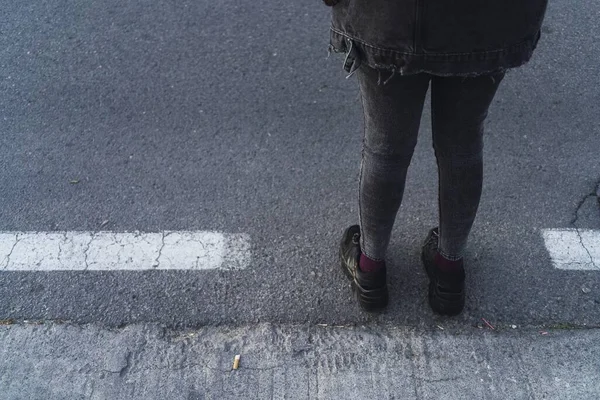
(236, 361)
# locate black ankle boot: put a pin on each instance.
(446, 289)
(371, 287)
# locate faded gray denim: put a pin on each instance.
(392, 114)
(439, 37)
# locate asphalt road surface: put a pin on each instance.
(227, 116)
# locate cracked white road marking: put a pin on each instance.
(574, 249)
(109, 251)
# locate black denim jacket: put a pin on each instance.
(441, 37)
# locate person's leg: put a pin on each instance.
(392, 114)
(459, 108)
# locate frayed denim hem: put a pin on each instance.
(395, 63)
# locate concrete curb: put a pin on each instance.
(296, 362)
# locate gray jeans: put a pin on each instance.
(392, 113)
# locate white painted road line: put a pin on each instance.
(573, 249)
(110, 251)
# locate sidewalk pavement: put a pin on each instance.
(63, 361)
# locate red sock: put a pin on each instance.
(367, 265)
(448, 265)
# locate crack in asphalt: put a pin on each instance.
(595, 193)
(87, 248)
(11, 250)
(156, 262)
